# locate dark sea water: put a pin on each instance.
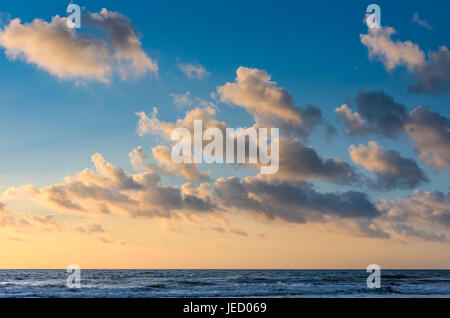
(225, 283)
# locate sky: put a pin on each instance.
(86, 114)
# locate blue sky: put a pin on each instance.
(52, 120)
(311, 49)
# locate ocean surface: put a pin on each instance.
(225, 283)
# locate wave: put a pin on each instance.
(152, 287)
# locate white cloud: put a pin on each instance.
(391, 168)
(193, 71)
(74, 56)
(391, 53)
(420, 21)
(162, 155)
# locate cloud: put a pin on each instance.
(297, 203)
(110, 189)
(68, 55)
(379, 114)
(124, 39)
(233, 231)
(431, 133)
(430, 208)
(420, 21)
(353, 123)
(152, 125)
(296, 160)
(162, 154)
(17, 239)
(299, 162)
(27, 221)
(105, 240)
(412, 232)
(5, 18)
(193, 71)
(270, 105)
(392, 54)
(91, 228)
(6, 217)
(47, 221)
(392, 170)
(182, 100)
(186, 100)
(432, 75)
(254, 91)
(188, 171)
(369, 228)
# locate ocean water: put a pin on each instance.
(225, 283)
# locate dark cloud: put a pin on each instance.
(383, 116)
(434, 76)
(91, 228)
(412, 232)
(270, 104)
(367, 228)
(392, 170)
(378, 113)
(108, 189)
(431, 208)
(301, 162)
(431, 133)
(298, 203)
(105, 240)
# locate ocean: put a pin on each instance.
(225, 283)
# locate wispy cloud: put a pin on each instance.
(193, 70)
(91, 228)
(420, 21)
(105, 240)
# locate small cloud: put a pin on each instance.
(91, 228)
(182, 100)
(186, 101)
(239, 232)
(424, 235)
(234, 231)
(193, 71)
(104, 240)
(17, 239)
(219, 229)
(420, 21)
